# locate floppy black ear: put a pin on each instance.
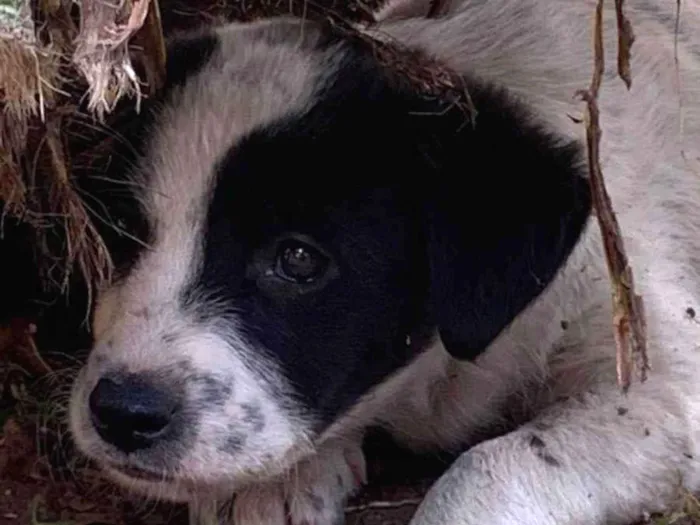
(507, 208)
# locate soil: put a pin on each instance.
(33, 492)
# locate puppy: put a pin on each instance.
(326, 248)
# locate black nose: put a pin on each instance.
(129, 412)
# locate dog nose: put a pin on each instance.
(130, 412)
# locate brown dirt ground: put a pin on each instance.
(38, 490)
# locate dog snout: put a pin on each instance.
(131, 412)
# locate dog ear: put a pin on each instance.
(501, 219)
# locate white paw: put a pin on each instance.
(313, 493)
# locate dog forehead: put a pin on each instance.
(252, 77)
(219, 86)
(249, 75)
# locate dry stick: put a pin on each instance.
(679, 86)
(625, 39)
(154, 27)
(436, 7)
(17, 341)
(628, 314)
(150, 38)
(373, 505)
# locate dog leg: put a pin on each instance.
(593, 459)
(313, 493)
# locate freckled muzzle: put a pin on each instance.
(139, 423)
(201, 415)
(179, 429)
(139, 413)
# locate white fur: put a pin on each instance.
(590, 455)
(618, 455)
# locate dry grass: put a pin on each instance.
(28, 75)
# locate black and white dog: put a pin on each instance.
(327, 249)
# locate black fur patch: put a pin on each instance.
(540, 449)
(253, 416)
(430, 224)
(212, 390)
(234, 441)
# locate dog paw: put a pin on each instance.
(314, 492)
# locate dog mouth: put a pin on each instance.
(164, 485)
(141, 474)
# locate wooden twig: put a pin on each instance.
(628, 314)
(436, 8)
(426, 73)
(374, 505)
(625, 39)
(17, 345)
(150, 39)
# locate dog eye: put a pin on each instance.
(300, 262)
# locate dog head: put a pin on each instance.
(310, 222)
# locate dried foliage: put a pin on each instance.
(102, 50)
(28, 75)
